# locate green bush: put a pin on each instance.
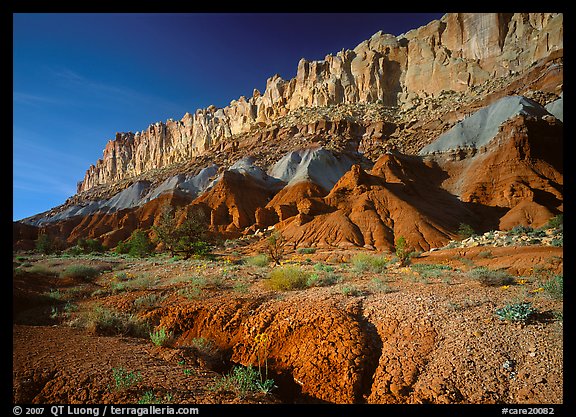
(160, 337)
(287, 278)
(555, 222)
(106, 321)
(519, 312)
(363, 262)
(402, 251)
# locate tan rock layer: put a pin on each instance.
(453, 53)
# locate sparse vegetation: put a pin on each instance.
(125, 379)
(350, 291)
(243, 381)
(489, 277)
(556, 222)
(260, 260)
(160, 337)
(103, 320)
(306, 251)
(431, 270)
(80, 272)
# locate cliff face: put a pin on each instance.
(459, 51)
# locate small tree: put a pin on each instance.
(137, 245)
(465, 231)
(402, 251)
(89, 245)
(45, 244)
(188, 238)
(140, 244)
(275, 247)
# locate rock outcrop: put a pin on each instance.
(459, 51)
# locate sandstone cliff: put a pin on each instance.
(459, 51)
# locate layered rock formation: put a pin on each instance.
(324, 160)
(454, 53)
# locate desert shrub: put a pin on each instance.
(519, 312)
(555, 222)
(160, 337)
(306, 251)
(363, 262)
(258, 260)
(554, 287)
(243, 381)
(557, 241)
(378, 285)
(322, 279)
(103, 320)
(287, 278)
(350, 290)
(485, 254)
(324, 268)
(80, 272)
(521, 230)
(42, 270)
(203, 345)
(490, 277)
(431, 270)
(275, 247)
(148, 301)
(465, 231)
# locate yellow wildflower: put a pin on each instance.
(505, 287)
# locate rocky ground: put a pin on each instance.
(471, 325)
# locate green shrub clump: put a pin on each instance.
(519, 312)
(137, 245)
(363, 262)
(160, 337)
(258, 260)
(80, 271)
(287, 278)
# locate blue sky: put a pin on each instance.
(80, 78)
